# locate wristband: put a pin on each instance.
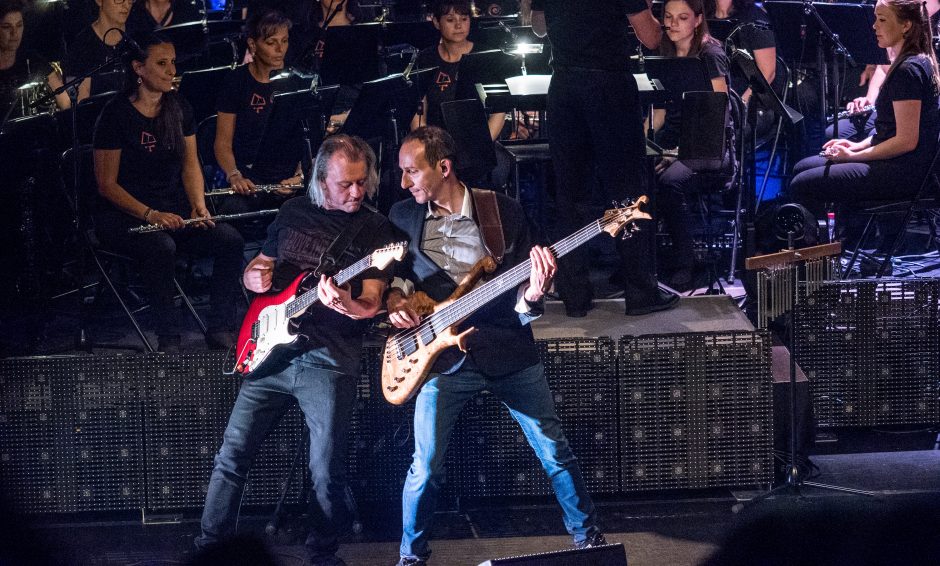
(147, 214)
(231, 174)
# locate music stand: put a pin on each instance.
(419, 34)
(350, 54)
(482, 67)
(381, 100)
(676, 75)
(192, 38)
(201, 89)
(297, 119)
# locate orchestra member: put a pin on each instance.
(757, 39)
(244, 107)
(18, 67)
(441, 222)
(94, 45)
(686, 36)
(905, 135)
(452, 19)
(594, 104)
(323, 377)
(148, 172)
(149, 15)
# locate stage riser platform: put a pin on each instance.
(119, 433)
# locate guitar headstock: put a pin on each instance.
(624, 216)
(392, 252)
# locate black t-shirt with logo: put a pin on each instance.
(592, 34)
(251, 103)
(86, 53)
(149, 170)
(442, 86)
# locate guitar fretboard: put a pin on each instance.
(301, 303)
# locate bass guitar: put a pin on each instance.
(410, 354)
(270, 325)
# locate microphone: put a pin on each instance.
(127, 42)
(397, 49)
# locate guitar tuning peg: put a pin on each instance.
(626, 234)
(615, 204)
(634, 228)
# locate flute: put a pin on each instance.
(258, 188)
(845, 114)
(147, 228)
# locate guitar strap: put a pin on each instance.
(486, 210)
(329, 261)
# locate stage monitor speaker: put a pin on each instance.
(702, 143)
(607, 555)
(869, 349)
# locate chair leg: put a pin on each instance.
(127, 311)
(189, 306)
(858, 247)
(896, 243)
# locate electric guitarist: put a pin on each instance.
(325, 231)
(448, 232)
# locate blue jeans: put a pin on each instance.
(326, 399)
(529, 401)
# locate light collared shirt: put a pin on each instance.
(454, 243)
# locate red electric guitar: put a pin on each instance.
(270, 323)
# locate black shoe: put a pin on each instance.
(168, 343)
(220, 340)
(578, 311)
(597, 539)
(662, 300)
(412, 562)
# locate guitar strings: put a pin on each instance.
(450, 314)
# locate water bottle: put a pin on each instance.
(831, 225)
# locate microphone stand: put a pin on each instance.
(836, 49)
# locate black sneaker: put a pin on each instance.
(412, 562)
(597, 539)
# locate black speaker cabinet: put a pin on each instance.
(607, 555)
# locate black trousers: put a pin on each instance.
(817, 181)
(155, 253)
(597, 133)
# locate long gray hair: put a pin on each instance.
(353, 148)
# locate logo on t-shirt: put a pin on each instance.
(318, 50)
(257, 103)
(148, 141)
(443, 81)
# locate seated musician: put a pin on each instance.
(147, 170)
(147, 15)
(452, 19)
(94, 45)
(760, 43)
(686, 36)
(862, 124)
(888, 164)
(19, 67)
(243, 109)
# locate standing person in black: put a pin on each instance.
(244, 106)
(452, 19)
(906, 130)
(149, 15)
(597, 132)
(94, 45)
(147, 170)
(323, 377)
(686, 36)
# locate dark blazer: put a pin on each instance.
(503, 343)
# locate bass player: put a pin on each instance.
(448, 233)
(331, 223)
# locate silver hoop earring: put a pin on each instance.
(139, 80)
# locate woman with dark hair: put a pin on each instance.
(758, 41)
(906, 129)
(452, 19)
(147, 170)
(243, 109)
(686, 36)
(20, 66)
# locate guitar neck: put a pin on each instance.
(469, 303)
(301, 303)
